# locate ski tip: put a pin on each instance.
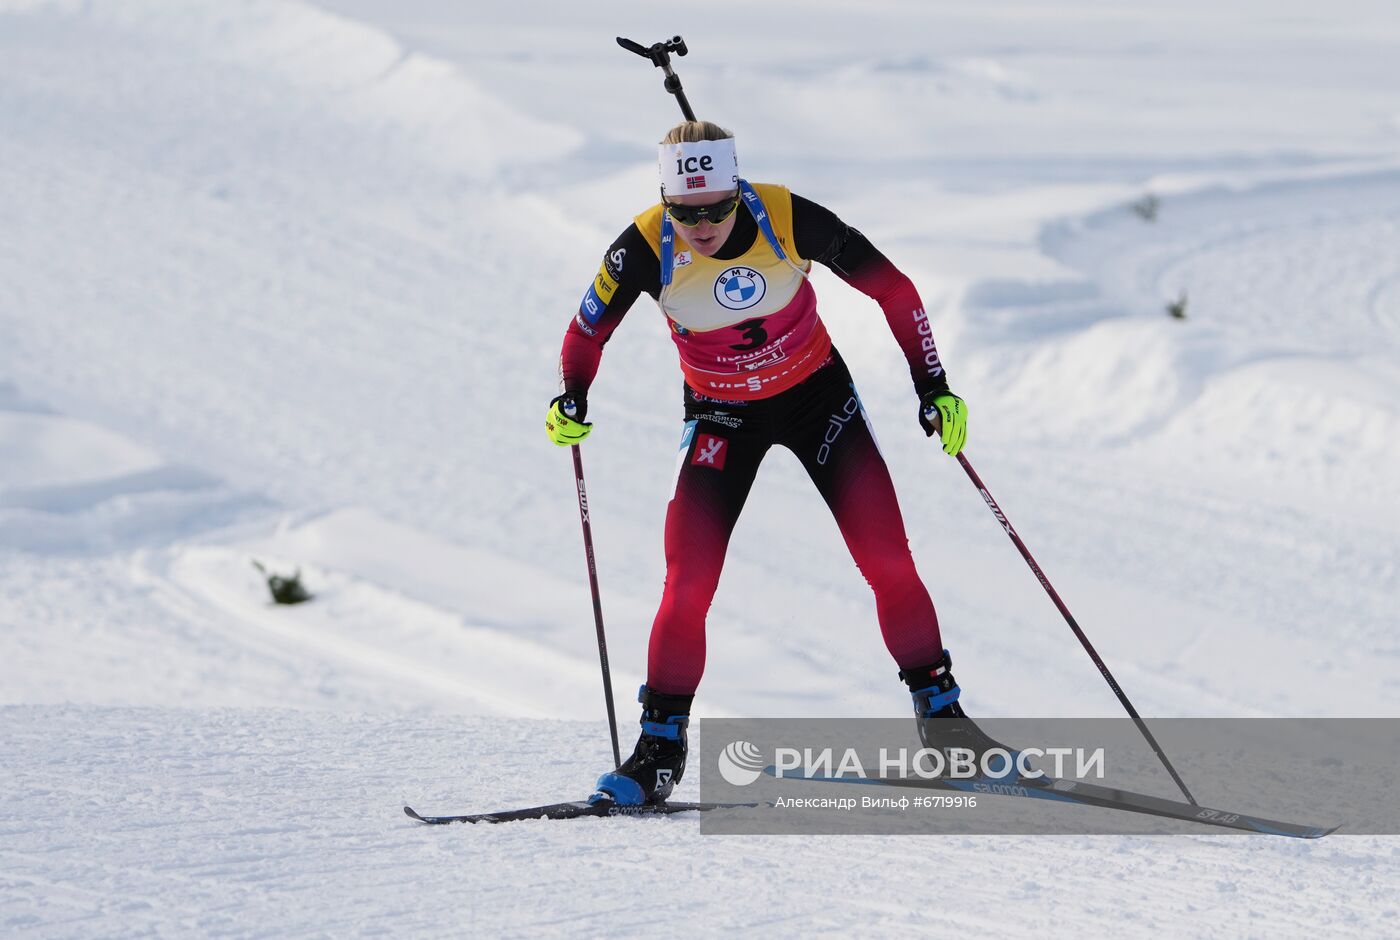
(1296, 832)
(409, 811)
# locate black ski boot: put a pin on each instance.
(943, 725)
(658, 760)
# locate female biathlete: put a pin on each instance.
(727, 261)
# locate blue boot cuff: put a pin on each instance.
(624, 790)
(931, 701)
(671, 729)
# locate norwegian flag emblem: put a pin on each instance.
(695, 182)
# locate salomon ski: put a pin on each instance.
(573, 810)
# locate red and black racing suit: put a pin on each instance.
(820, 420)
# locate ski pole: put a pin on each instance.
(660, 55)
(597, 601)
(1069, 618)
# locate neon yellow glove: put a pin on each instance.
(564, 422)
(945, 414)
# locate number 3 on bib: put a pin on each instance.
(753, 331)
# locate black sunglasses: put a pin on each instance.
(714, 213)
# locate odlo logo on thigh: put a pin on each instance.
(710, 451)
(834, 426)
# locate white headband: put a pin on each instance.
(701, 166)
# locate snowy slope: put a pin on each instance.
(264, 822)
(287, 282)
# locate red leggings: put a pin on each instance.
(823, 423)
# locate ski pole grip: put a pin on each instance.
(935, 420)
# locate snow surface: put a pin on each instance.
(287, 282)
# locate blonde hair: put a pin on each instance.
(687, 132)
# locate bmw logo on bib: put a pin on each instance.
(739, 288)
